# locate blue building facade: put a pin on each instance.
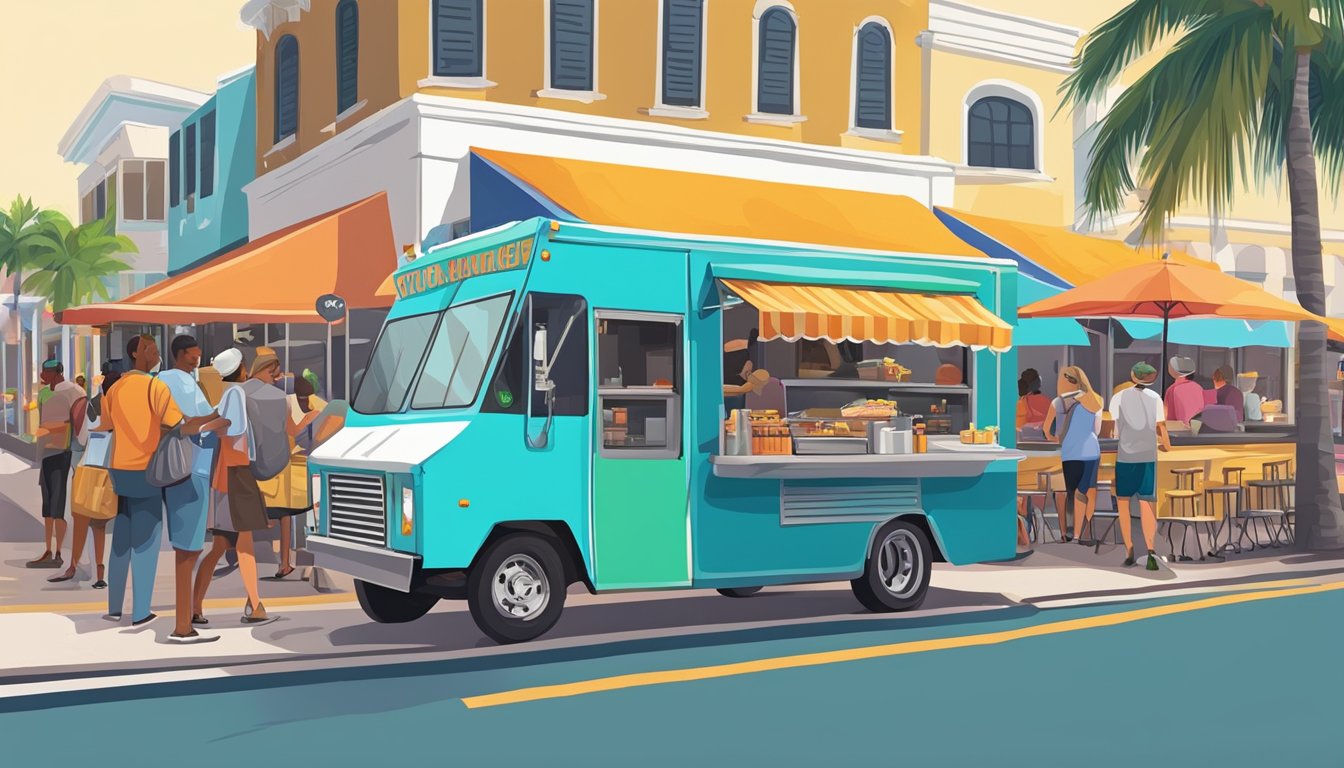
(211, 157)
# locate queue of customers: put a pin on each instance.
(238, 440)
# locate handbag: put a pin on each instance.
(171, 462)
(94, 496)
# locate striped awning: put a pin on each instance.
(793, 312)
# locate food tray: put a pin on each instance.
(830, 446)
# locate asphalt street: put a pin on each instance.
(1229, 679)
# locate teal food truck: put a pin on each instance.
(552, 404)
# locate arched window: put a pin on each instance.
(872, 77)
(286, 88)
(572, 33)
(775, 62)
(458, 38)
(683, 47)
(1001, 133)
(347, 55)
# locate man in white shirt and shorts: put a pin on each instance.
(1140, 424)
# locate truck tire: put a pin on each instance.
(388, 606)
(739, 591)
(516, 590)
(896, 576)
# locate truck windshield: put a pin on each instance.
(395, 360)
(461, 354)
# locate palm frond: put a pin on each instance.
(1327, 107)
(1208, 109)
(1131, 33)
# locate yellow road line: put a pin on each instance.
(643, 679)
(222, 602)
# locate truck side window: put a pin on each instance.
(639, 368)
(570, 369)
(506, 393)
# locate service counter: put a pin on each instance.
(946, 457)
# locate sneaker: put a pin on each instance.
(1129, 561)
(112, 617)
(1152, 562)
(191, 638)
(100, 584)
(146, 620)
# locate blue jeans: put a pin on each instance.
(136, 533)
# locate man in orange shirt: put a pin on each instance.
(139, 408)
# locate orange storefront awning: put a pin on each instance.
(275, 279)
(725, 206)
(794, 312)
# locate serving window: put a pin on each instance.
(639, 369)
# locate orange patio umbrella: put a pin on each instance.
(1171, 291)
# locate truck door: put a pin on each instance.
(640, 508)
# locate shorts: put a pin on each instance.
(188, 503)
(54, 479)
(1135, 481)
(1080, 476)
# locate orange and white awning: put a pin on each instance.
(793, 312)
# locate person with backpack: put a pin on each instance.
(247, 452)
(1077, 411)
(95, 456)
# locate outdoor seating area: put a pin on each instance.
(1247, 506)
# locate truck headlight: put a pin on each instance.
(315, 496)
(407, 511)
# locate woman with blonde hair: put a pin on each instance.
(1078, 411)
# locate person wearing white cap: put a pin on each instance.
(1185, 397)
(234, 493)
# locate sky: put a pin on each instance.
(56, 53)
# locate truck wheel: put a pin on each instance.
(739, 591)
(388, 606)
(517, 589)
(896, 577)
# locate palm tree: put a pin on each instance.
(73, 262)
(1238, 94)
(18, 227)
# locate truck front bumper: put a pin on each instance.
(383, 567)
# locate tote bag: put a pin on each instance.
(171, 462)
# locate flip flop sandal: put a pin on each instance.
(199, 620)
(62, 577)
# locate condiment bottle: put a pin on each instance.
(921, 440)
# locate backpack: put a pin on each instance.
(267, 415)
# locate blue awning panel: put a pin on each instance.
(1219, 332)
(498, 197)
(995, 249)
(1049, 332)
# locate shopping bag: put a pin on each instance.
(298, 482)
(94, 496)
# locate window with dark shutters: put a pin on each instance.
(208, 154)
(286, 88)
(683, 41)
(1001, 133)
(189, 161)
(458, 32)
(175, 169)
(347, 55)
(775, 63)
(572, 45)
(872, 97)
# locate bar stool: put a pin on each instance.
(1045, 481)
(1230, 498)
(1272, 503)
(1105, 488)
(1183, 510)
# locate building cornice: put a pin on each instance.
(266, 15)
(967, 30)
(122, 89)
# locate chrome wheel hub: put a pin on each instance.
(520, 588)
(899, 567)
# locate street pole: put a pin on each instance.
(1162, 364)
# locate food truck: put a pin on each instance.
(552, 403)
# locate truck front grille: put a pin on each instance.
(358, 505)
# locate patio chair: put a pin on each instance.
(1183, 510)
(1273, 505)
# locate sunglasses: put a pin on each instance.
(1070, 379)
